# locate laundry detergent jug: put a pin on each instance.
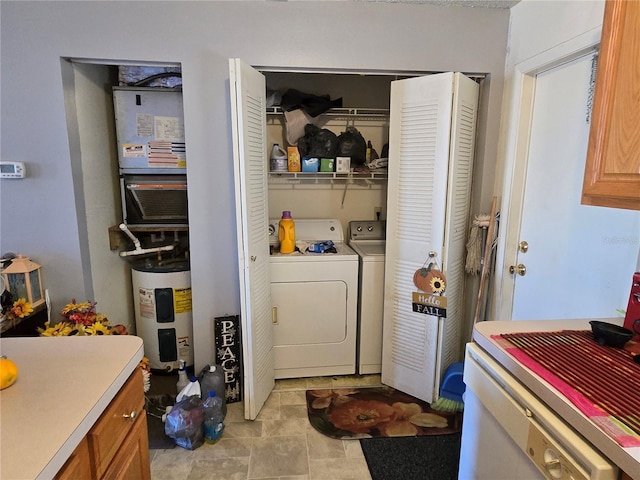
(287, 233)
(278, 161)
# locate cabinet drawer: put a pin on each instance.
(118, 420)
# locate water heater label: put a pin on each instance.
(134, 150)
(184, 347)
(146, 303)
(182, 300)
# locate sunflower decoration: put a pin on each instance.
(21, 308)
(437, 283)
(81, 319)
(18, 309)
(98, 328)
(61, 329)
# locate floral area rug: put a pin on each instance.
(355, 413)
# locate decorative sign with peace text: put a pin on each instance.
(229, 355)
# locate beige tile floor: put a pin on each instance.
(279, 444)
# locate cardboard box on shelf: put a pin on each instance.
(293, 156)
(343, 164)
(326, 164)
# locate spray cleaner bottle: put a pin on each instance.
(183, 379)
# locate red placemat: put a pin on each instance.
(602, 382)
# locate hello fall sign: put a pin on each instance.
(429, 304)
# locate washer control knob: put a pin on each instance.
(370, 228)
(359, 228)
(552, 463)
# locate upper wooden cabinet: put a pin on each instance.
(612, 173)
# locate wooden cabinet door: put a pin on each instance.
(116, 422)
(132, 460)
(78, 465)
(612, 173)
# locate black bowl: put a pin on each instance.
(610, 334)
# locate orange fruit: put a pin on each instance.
(8, 372)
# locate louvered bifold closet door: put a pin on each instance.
(420, 206)
(250, 166)
(463, 137)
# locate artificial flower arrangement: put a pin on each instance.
(82, 319)
(19, 309)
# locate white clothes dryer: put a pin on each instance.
(314, 302)
(367, 238)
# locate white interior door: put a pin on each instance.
(247, 87)
(423, 217)
(580, 258)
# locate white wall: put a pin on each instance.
(40, 215)
(537, 27)
(91, 124)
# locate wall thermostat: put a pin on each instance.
(12, 170)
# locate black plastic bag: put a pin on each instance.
(314, 105)
(352, 144)
(185, 421)
(317, 142)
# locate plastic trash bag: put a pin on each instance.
(317, 142)
(184, 423)
(312, 104)
(189, 390)
(352, 144)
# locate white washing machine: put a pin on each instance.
(315, 302)
(367, 238)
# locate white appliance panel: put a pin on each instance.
(369, 250)
(478, 463)
(501, 415)
(294, 301)
(314, 301)
(343, 254)
(370, 310)
(150, 129)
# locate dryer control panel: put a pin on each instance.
(367, 230)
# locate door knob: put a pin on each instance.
(520, 269)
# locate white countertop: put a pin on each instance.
(64, 384)
(628, 459)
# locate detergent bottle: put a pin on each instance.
(287, 233)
